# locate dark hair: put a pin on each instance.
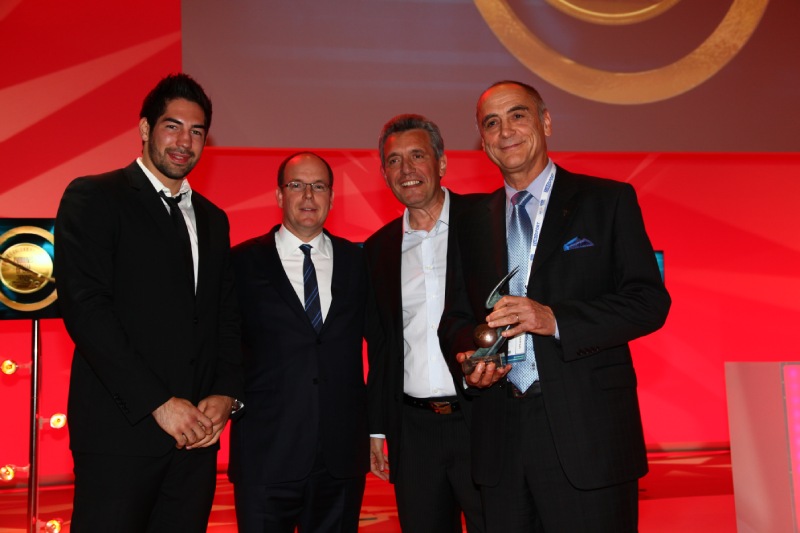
(402, 123)
(540, 105)
(170, 88)
(282, 167)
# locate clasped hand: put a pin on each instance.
(194, 427)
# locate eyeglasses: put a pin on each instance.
(299, 186)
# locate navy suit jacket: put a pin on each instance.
(141, 334)
(603, 296)
(305, 391)
(386, 348)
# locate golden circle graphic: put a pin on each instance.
(625, 88)
(17, 273)
(27, 270)
(615, 12)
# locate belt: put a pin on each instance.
(534, 390)
(440, 406)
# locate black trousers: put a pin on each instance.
(319, 503)
(144, 494)
(534, 495)
(433, 481)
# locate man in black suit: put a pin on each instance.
(414, 402)
(146, 291)
(557, 435)
(299, 454)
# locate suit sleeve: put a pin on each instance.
(458, 319)
(636, 305)
(86, 234)
(376, 356)
(229, 379)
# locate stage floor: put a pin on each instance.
(687, 492)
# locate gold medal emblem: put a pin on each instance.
(26, 269)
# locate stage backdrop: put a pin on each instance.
(71, 87)
(632, 75)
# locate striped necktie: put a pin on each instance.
(311, 289)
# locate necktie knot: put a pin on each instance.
(521, 198)
(306, 248)
(172, 201)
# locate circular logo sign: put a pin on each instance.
(609, 87)
(26, 269)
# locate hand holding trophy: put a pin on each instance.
(488, 340)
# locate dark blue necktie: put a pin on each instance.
(311, 289)
(520, 233)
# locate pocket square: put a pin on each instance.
(577, 242)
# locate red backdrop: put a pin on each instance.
(69, 96)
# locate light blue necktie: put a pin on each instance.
(311, 289)
(520, 233)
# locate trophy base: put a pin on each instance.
(469, 364)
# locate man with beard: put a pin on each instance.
(146, 291)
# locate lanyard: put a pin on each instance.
(539, 220)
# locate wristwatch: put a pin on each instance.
(237, 406)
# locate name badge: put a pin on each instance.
(516, 348)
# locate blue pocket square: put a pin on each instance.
(577, 242)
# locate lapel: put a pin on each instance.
(277, 276)
(496, 224)
(155, 209)
(388, 275)
(147, 196)
(340, 282)
(560, 210)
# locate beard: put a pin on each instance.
(165, 165)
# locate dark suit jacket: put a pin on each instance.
(386, 348)
(305, 391)
(603, 296)
(141, 336)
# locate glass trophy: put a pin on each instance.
(488, 340)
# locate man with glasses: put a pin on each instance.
(299, 454)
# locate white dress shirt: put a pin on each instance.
(292, 257)
(422, 278)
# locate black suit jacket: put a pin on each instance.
(386, 346)
(305, 391)
(141, 335)
(603, 296)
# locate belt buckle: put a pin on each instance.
(442, 408)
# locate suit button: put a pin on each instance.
(315, 381)
(192, 361)
(319, 341)
(195, 320)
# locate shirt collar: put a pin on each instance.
(288, 243)
(185, 187)
(444, 215)
(535, 188)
